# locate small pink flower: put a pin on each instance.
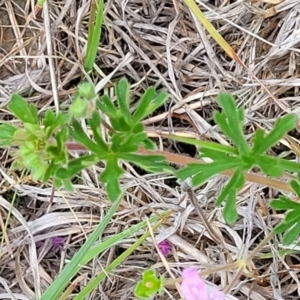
(58, 241)
(165, 247)
(194, 288)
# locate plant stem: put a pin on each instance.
(184, 160)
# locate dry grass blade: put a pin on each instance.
(49, 50)
(32, 248)
(152, 43)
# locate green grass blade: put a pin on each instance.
(97, 249)
(57, 287)
(114, 240)
(95, 281)
(94, 34)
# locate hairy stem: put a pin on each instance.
(184, 160)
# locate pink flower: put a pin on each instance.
(194, 288)
(58, 241)
(165, 247)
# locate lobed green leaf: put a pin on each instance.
(269, 165)
(230, 212)
(282, 126)
(7, 133)
(231, 121)
(236, 182)
(107, 106)
(75, 166)
(123, 94)
(296, 187)
(141, 111)
(284, 203)
(202, 172)
(111, 176)
(292, 234)
(78, 134)
(150, 163)
(95, 124)
(24, 111)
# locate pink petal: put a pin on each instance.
(216, 295)
(58, 241)
(192, 286)
(165, 247)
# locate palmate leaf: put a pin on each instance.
(7, 132)
(269, 165)
(296, 187)
(141, 111)
(282, 126)
(24, 111)
(95, 123)
(230, 212)
(202, 172)
(291, 231)
(110, 177)
(123, 95)
(78, 134)
(284, 203)
(231, 121)
(76, 165)
(290, 226)
(150, 163)
(107, 106)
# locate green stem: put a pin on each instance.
(95, 281)
(207, 145)
(94, 34)
(289, 165)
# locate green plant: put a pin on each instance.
(94, 33)
(149, 285)
(41, 144)
(291, 223)
(242, 158)
(90, 250)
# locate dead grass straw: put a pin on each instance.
(151, 43)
